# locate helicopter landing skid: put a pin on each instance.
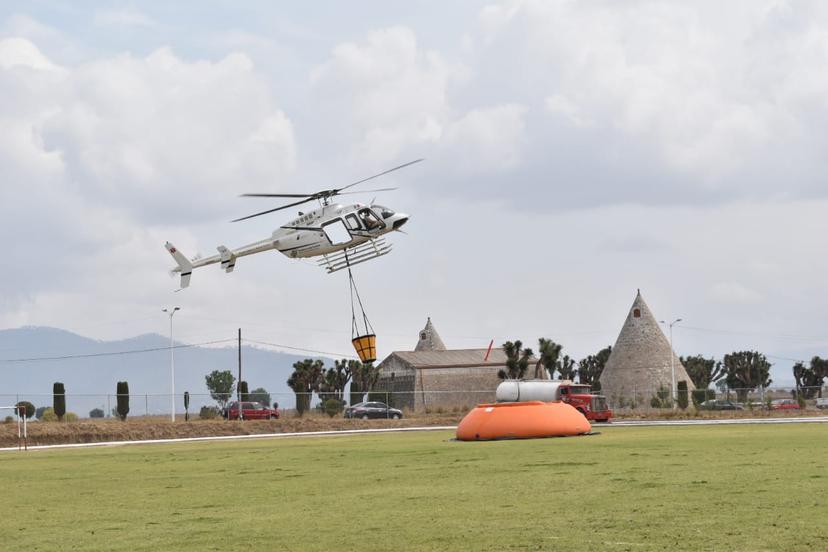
(351, 256)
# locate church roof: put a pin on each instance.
(455, 358)
(429, 339)
(640, 361)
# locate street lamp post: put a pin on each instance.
(673, 360)
(171, 312)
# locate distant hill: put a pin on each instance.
(88, 380)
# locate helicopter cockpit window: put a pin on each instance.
(385, 212)
(370, 220)
(336, 232)
(351, 222)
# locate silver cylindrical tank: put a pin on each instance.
(529, 390)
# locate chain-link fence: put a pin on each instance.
(410, 402)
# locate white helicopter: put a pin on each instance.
(343, 235)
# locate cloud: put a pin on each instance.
(98, 157)
(124, 17)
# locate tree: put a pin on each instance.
(363, 379)
(244, 392)
(566, 368)
(702, 371)
(122, 390)
(39, 412)
(186, 406)
(548, 352)
(333, 381)
(746, 370)
(304, 381)
(96, 413)
(517, 360)
(26, 408)
(220, 386)
(261, 396)
(809, 380)
(590, 368)
(59, 400)
(681, 391)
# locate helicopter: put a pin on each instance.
(342, 235)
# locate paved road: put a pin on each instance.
(620, 423)
(728, 421)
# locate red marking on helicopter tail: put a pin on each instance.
(172, 249)
(488, 351)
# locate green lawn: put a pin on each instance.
(686, 488)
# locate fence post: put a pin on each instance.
(146, 404)
(108, 407)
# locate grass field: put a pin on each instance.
(678, 488)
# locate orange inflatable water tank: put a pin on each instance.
(522, 420)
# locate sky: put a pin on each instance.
(575, 152)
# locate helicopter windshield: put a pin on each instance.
(385, 212)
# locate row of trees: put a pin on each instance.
(550, 360)
(747, 371)
(310, 376)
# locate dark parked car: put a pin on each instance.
(251, 411)
(721, 404)
(366, 410)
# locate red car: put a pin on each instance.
(251, 411)
(784, 404)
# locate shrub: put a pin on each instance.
(27, 408)
(96, 413)
(49, 415)
(698, 396)
(332, 407)
(123, 399)
(208, 413)
(39, 412)
(59, 399)
(8, 419)
(800, 399)
(681, 395)
(70, 417)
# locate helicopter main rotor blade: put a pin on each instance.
(273, 210)
(338, 190)
(369, 191)
(277, 195)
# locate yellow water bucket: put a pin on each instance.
(366, 347)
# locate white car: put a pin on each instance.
(822, 403)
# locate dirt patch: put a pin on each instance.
(135, 429)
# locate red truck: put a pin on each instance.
(579, 395)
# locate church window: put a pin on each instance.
(636, 313)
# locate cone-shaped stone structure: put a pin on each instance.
(640, 361)
(429, 339)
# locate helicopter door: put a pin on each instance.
(336, 232)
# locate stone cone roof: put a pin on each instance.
(429, 339)
(640, 360)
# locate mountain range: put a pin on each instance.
(33, 358)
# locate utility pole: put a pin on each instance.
(673, 362)
(171, 312)
(238, 387)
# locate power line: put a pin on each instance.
(298, 348)
(115, 353)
